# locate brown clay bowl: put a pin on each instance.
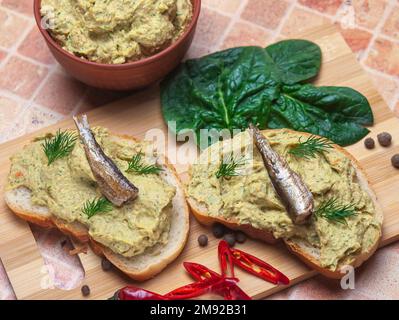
(132, 75)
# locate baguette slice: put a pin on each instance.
(309, 255)
(141, 267)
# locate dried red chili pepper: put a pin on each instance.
(249, 263)
(225, 287)
(189, 291)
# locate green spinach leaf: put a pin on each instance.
(225, 90)
(337, 113)
(295, 60)
(231, 88)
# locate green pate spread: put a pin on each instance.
(251, 199)
(65, 186)
(116, 31)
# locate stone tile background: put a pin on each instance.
(36, 92)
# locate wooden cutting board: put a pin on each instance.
(138, 113)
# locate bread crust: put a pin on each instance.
(80, 233)
(206, 220)
(203, 218)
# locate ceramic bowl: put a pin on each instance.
(132, 75)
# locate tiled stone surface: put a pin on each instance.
(357, 39)
(391, 27)
(55, 246)
(384, 56)
(60, 93)
(226, 6)
(266, 13)
(36, 92)
(12, 27)
(31, 119)
(6, 291)
(9, 111)
(35, 47)
(376, 279)
(3, 54)
(295, 22)
(368, 13)
(326, 6)
(211, 28)
(245, 34)
(20, 83)
(21, 6)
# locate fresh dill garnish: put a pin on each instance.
(229, 168)
(311, 147)
(334, 211)
(136, 165)
(59, 146)
(92, 207)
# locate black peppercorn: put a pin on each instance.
(385, 139)
(218, 230)
(230, 239)
(105, 264)
(369, 143)
(203, 240)
(85, 290)
(395, 161)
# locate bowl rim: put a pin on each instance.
(49, 39)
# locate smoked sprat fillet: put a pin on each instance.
(113, 184)
(288, 184)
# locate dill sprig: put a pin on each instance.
(92, 207)
(59, 146)
(311, 147)
(229, 168)
(332, 210)
(136, 165)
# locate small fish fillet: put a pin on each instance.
(288, 184)
(112, 183)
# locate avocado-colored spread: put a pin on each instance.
(67, 184)
(116, 31)
(250, 197)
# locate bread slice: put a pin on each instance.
(141, 267)
(306, 253)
